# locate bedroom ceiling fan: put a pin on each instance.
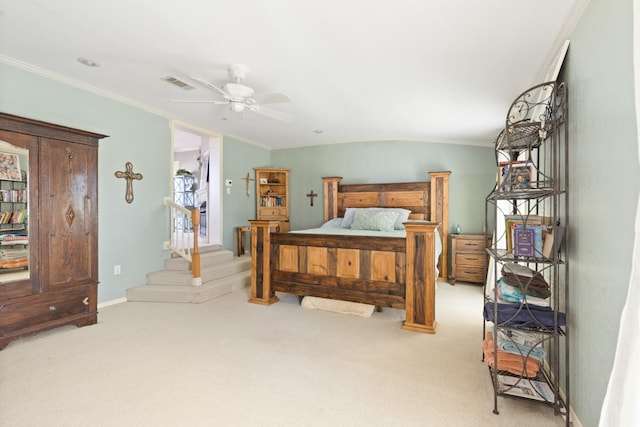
(241, 97)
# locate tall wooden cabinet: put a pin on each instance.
(272, 196)
(60, 284)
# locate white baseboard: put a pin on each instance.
(112, 302)
(575, 422)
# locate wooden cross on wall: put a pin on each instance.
(248, 179)
(129, 175)
(311, 196)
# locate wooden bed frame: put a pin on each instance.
(383, 271)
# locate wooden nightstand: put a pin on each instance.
(468, 258)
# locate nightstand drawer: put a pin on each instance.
(467, 245)
(476, 260)
(470, 274)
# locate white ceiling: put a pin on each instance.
(357, 70)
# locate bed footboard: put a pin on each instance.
(383, 271)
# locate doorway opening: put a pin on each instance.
(196, 178)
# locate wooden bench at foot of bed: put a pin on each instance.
(383, 271)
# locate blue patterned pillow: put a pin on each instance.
(403, 216)
(373, 219)
(349, 215)
(333, 223)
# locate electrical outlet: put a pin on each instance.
(116, 269)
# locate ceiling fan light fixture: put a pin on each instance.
(238, 90)
(238, 107)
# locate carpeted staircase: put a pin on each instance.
(221, 271)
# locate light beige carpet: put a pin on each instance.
(231, 363)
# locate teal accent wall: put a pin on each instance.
(239, 158)
(130, 235)
(604, 186)
(472, 174)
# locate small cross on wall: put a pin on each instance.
(248, 180)
(311, 195)
(129, 175)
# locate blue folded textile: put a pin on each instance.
(537, 353)
(523, 315)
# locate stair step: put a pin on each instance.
(207, 273)
(206, 259)
(191, 294)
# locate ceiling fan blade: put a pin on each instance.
(270, 98)
(271, 113)
(181, 101)
(211, 86)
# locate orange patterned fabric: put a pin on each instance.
(513, 363)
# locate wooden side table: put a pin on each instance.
(468, 258)
(240, 232)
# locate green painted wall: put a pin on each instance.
(239, 158)
(603, 193)
(472, 174)
(130, 235)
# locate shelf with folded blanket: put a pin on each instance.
(525, 333)
(14, 249)
(520, 356)
(524, 326)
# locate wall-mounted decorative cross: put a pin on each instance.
(129, 175)
(248, 179)
(311, 196)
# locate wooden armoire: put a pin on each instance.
(59, 286)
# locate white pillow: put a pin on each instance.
(374, 219)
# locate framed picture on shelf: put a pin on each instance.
(520, 176)
(263, 181)
(10, 167)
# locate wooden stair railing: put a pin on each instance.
(182, 242)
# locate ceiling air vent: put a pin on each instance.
(177, 82)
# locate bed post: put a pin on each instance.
(420, 292)
(440, 213)
(331, 197)
(261, 292)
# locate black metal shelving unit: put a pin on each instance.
(526, 341)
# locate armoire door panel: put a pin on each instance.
(68, 194)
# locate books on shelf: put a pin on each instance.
(523, 387)
(523, 241)
(535, 223)
(271, 201)
(552, 242)
(17, 217)
(14, 196)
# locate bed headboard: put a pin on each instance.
(428, 200)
